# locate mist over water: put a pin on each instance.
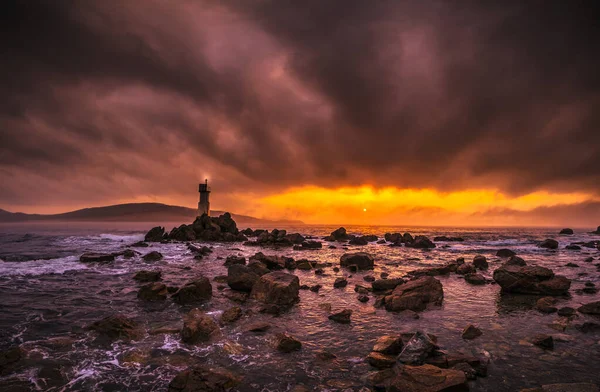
(47, 293)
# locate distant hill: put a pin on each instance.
(135, 212)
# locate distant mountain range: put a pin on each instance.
(135, 212)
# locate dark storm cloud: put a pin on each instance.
(108, 100)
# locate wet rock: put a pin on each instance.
(325, 355)
(572, 265)
(480, 262)
(204, 379)
(198, 290)
(319, 271)
(153, 292)
(476, 279)
(415, 295)
(471, 332)
(273, 263)
(573, 247)
(427, 378)
(417, 349)
(316, 288)
(588, 327)
(342, 317)
(117, 327)
(531, 280)
(381, 361)
(148, 276)
(198, 327)
(548, 244)
(129, 254)
(156, 234)
(358, 241)
(362, 260)
(10, 360)
(505, 253)
(380, 242)
(369, 278)
(139, 244)
(153, 256)
(407, 238)
(231, 260)
(421, 242)
(241, 277)
(258, 268)
(435, 271)
(386, 284)
(295, 238)
(515, 260)
(231, 315)
(259, 326)
(363, 298)
(93, 257)
(546, 305)
(566, 311)
(409, 315)
(304, 264)
(576, 387)
(338, 235)
(287, 343)
(465, 269)
(309, 245)
(590, 308)
(340, 282)
(389, 345)
(589, 259)
(393, 237)
(543, 341)
(470, 373)
(566, 232)
(276, 288)
(182, 233)
(443, 238)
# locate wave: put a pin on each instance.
(41, 267)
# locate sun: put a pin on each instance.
(364, 210)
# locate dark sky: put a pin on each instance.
(104, 101)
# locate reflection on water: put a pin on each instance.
(48, 297)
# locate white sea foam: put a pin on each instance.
(41, 267)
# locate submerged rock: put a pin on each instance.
(198, 290)
(576, 387)
(381, 361)
(232, 259)
(230, 315)
(152, 256)
(340, 282)
(153, 292)
(415, 295)
(287, 343)
(278, 288)
(309, 245)
(342, 317)
(546, 305)
(471, 332)
(147, 276)
(590, 308)
(201, 378)
(362, 260)
(505, 253)
(198, 327)
(476, 279)
(117, 327)
(543, 341)
(389, 345)
(93, 257)
(10, 360)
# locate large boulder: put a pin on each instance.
(94, 257)
(590, 308)
(531, 280)
(427, 378)
(278, 288)
(505, 253)
(386, 284)
(389, 345)
(155, 291)
(183, 233)
(156, 234)
(117, 327)
(198, 290)
(152, 256)
(548, 244)
(272, 262)
(198, 327)
(241, 277)
(566, 232)
(362, 260)
(201, 378)
(480, 262)
(276, 238)
(415, 295)
(421, 242)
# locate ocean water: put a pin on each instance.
(48, 298)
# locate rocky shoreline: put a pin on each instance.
(266, 284)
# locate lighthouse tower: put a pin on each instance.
(204, 204)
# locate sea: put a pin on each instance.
(48, 298)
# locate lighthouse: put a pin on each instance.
(204, 204)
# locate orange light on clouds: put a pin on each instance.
(391, 205)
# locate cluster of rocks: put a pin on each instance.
(276, 238)
(222, 228)
(420, 365)
(515, 276)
